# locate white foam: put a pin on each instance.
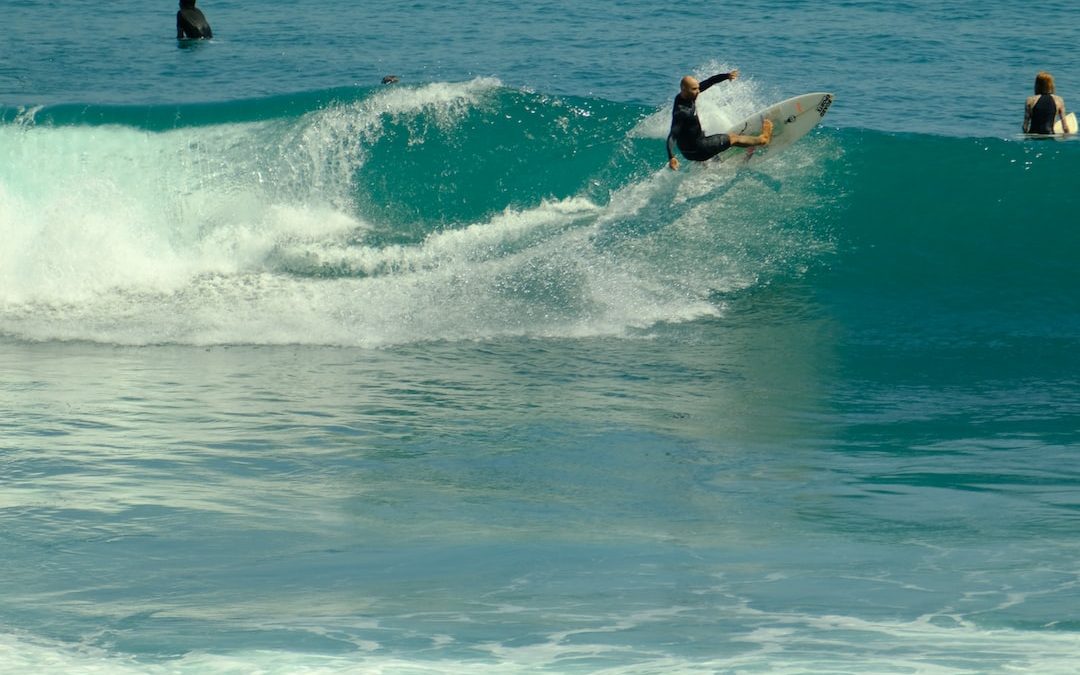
(790, 644)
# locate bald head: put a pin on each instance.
(689, 88)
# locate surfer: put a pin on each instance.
(191, 23)
(686, 127)
(1041, 108)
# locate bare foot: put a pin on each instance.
(766, 132)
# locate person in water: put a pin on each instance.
(191, 23)
(686, 127)
(1043, 107)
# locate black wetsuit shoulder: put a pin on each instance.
(191, 23)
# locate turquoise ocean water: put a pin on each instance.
(304, 373)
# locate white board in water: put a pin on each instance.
(1071, 119)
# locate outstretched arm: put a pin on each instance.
(710, 81)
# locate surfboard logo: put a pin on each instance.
(823, 107)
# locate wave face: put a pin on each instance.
(451, 211)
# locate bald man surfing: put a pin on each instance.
(686, 127)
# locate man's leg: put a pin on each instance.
(751, 141)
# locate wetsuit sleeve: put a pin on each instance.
(708, 82)
(676, 129)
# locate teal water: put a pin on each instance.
(301, 373)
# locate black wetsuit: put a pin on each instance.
(191, 23)
(1042, 115)
(686, 128)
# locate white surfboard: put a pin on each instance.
(792, 119)
(1071, 119)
